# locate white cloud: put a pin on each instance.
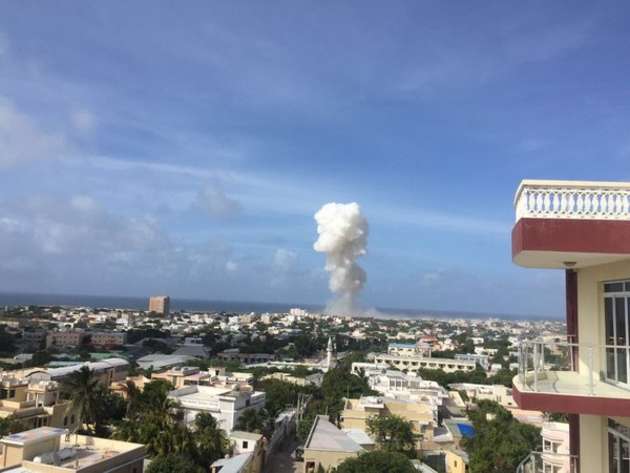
(83, 120)
(216, 203)
(23, 140)
(284, 260)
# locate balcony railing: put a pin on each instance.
(573, 199)
(541, 365)
(536, 462)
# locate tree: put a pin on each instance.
(377, 461)
(212, 443)
(82, 388)
(500, 441)
(253, 420)
(11, 425)
(173, 464)
(392, 434)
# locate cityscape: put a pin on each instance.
(314, 237)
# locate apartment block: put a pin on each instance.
(224, 403)
(413, 363)
(160, 305)
(582, 228)
(35, 403)
(356, 413)
(67, 338)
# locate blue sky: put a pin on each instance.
(183, 148)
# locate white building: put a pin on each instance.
(555, 457)
(225, 404)
(417, 362)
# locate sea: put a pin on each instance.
(200, 305)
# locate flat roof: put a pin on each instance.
(33, 436)
(240, 434)
(326, 436)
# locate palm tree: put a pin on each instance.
(212, 442)
(83, 390)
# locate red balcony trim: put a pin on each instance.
(590, 405)
(569, 235)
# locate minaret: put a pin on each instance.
(329, 353)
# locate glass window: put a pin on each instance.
(613, 287)
(610, 321)
(620, 317)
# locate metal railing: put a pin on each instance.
(543, 462)
(539, 361)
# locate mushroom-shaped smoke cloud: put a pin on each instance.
(343, 237)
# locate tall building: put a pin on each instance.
(582, 228)
(160, 305)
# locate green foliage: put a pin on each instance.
(137, 334)
(252, 420)
(157, 346)
(477, 376)
(279, 395)
(340, 383)
(500, 442)
(7, 342)
(173, 464)
(154, 420)
(84, 392)
(378, 461)
(12, 425)
(392, 434)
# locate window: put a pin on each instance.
(65, 421)
(618, 447)
(245, 444)
(616, 324)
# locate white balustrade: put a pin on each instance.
(575, 200)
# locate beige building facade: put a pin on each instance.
(50, 450)
(584, 229)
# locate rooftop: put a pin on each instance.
(326, 436)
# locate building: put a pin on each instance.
(582, 228)
(555, 455)
(491, 392)
(35, 403)
(50, 450)
(356, 413)
(181, 376)
(481, 359)
(108, 339)
(107, 371)
(248, 454)
(413, 363)
(397, 385)
(67, 339)
(160, 361)
(456, 461)
(225, 404)
(160, 305)
(233, 354)
(327, 446)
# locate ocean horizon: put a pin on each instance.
(201, 305)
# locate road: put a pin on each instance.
(281, 461)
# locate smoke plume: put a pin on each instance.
(343, 238)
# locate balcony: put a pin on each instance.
(551, 380)
(571, 223)
(544, 462)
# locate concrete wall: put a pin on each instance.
(324, 458)
(591, 330)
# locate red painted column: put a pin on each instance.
(572, 333)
